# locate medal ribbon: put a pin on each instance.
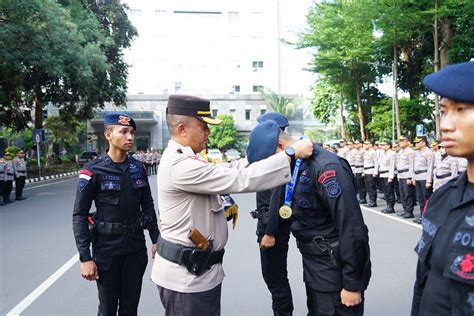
(290, 187)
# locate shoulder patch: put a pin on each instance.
(326, 175)
(85, 174)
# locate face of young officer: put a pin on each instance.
(457, 128)
(120, 137)
(196, 134)
(403, 143)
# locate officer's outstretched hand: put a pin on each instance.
(268, 241)
(303, 148)
(153, 251)
(89, 270)
(350, 298)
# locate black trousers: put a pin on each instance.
(120, 284)
(396, 187)
(360, 182)
(273, 262)
(407, 195)
(19, 186)
(329, 304)
(371, 187)
(7, 190)
(388, 192)
(422, 194)
(191, 304)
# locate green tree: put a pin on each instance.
(278, 103)
(61, 132)
(224, 135)
(342, 56)
(60, 52)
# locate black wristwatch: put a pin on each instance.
(290, 151)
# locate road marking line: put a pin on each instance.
(27, 301)
(43, 185)
(391, 217)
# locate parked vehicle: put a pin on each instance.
(232, 154)
(86, 157)
(214, 155)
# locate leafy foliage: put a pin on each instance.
(65, 52)
(223, 136)
(278, 103)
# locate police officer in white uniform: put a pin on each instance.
(188, 275)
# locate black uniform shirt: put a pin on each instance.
(121, 193)
(325, 204)
(445, 272)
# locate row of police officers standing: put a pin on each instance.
(403, 173)
(12, 169)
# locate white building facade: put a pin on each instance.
(222, 50)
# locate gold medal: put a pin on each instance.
(285, 211)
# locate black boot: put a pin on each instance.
(388, 210)
(408, 215)
(363, 201)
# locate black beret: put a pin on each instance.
(119, 118)
(263, 141)
(191, 106)
(278, 118)
(455, 82)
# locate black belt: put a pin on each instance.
(384, 171)
(368, 168)
(117, 229)
(359, 166)
(9, 174)
(403, 170)
(194, 259)
(443, 176)
(420, 171)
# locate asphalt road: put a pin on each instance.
(36, 240)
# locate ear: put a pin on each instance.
(108, 134)
(181, 129)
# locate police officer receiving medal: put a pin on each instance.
(327, 224)
(445, 272)
(188, 266)
(118, 185)
(273, 233)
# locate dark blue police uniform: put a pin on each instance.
(124, 208)
(445, 272)
(330, 233)
(273, 260)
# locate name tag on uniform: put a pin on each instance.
(110, 185)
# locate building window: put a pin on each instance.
(257, 64)
(233, 16)
(247, 115)
(236, 89)
(232, 112)
(214, 112)
(257, 88)
(263, 111)
(132, 12)
(160, 12)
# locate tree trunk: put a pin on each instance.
(361, 113)
(38, 110)
(436, 65)
(395, 90)
(341, 109)
(446, 43)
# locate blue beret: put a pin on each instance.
(455, 82)
(278, 118)
(263, 141)
(119, 118)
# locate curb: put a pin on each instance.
(60, 175)
(33, 180)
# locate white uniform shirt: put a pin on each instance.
(188, 189)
